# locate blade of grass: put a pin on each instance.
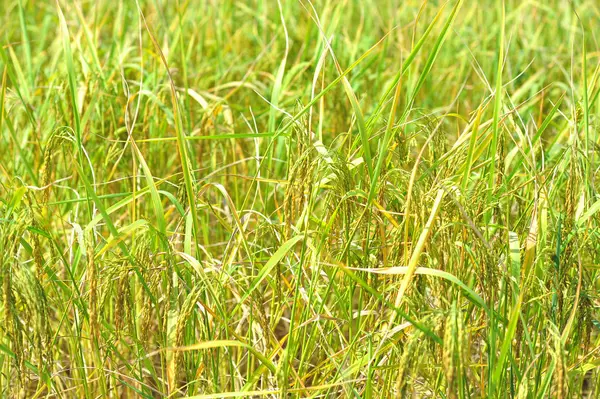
(491, 172)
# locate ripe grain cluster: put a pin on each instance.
(299, 199)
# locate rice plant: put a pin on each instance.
(299, 198)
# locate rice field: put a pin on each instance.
(299, 199)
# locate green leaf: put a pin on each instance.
(271, 263)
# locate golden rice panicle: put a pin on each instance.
(92, 286)
(122, 300)
(9, 239)
(453, 358)
(560, 387)
(58, 138)
(300, 174)
(407, 360)
(187, 309)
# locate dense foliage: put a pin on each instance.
(279, 198)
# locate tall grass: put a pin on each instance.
(360, 199)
